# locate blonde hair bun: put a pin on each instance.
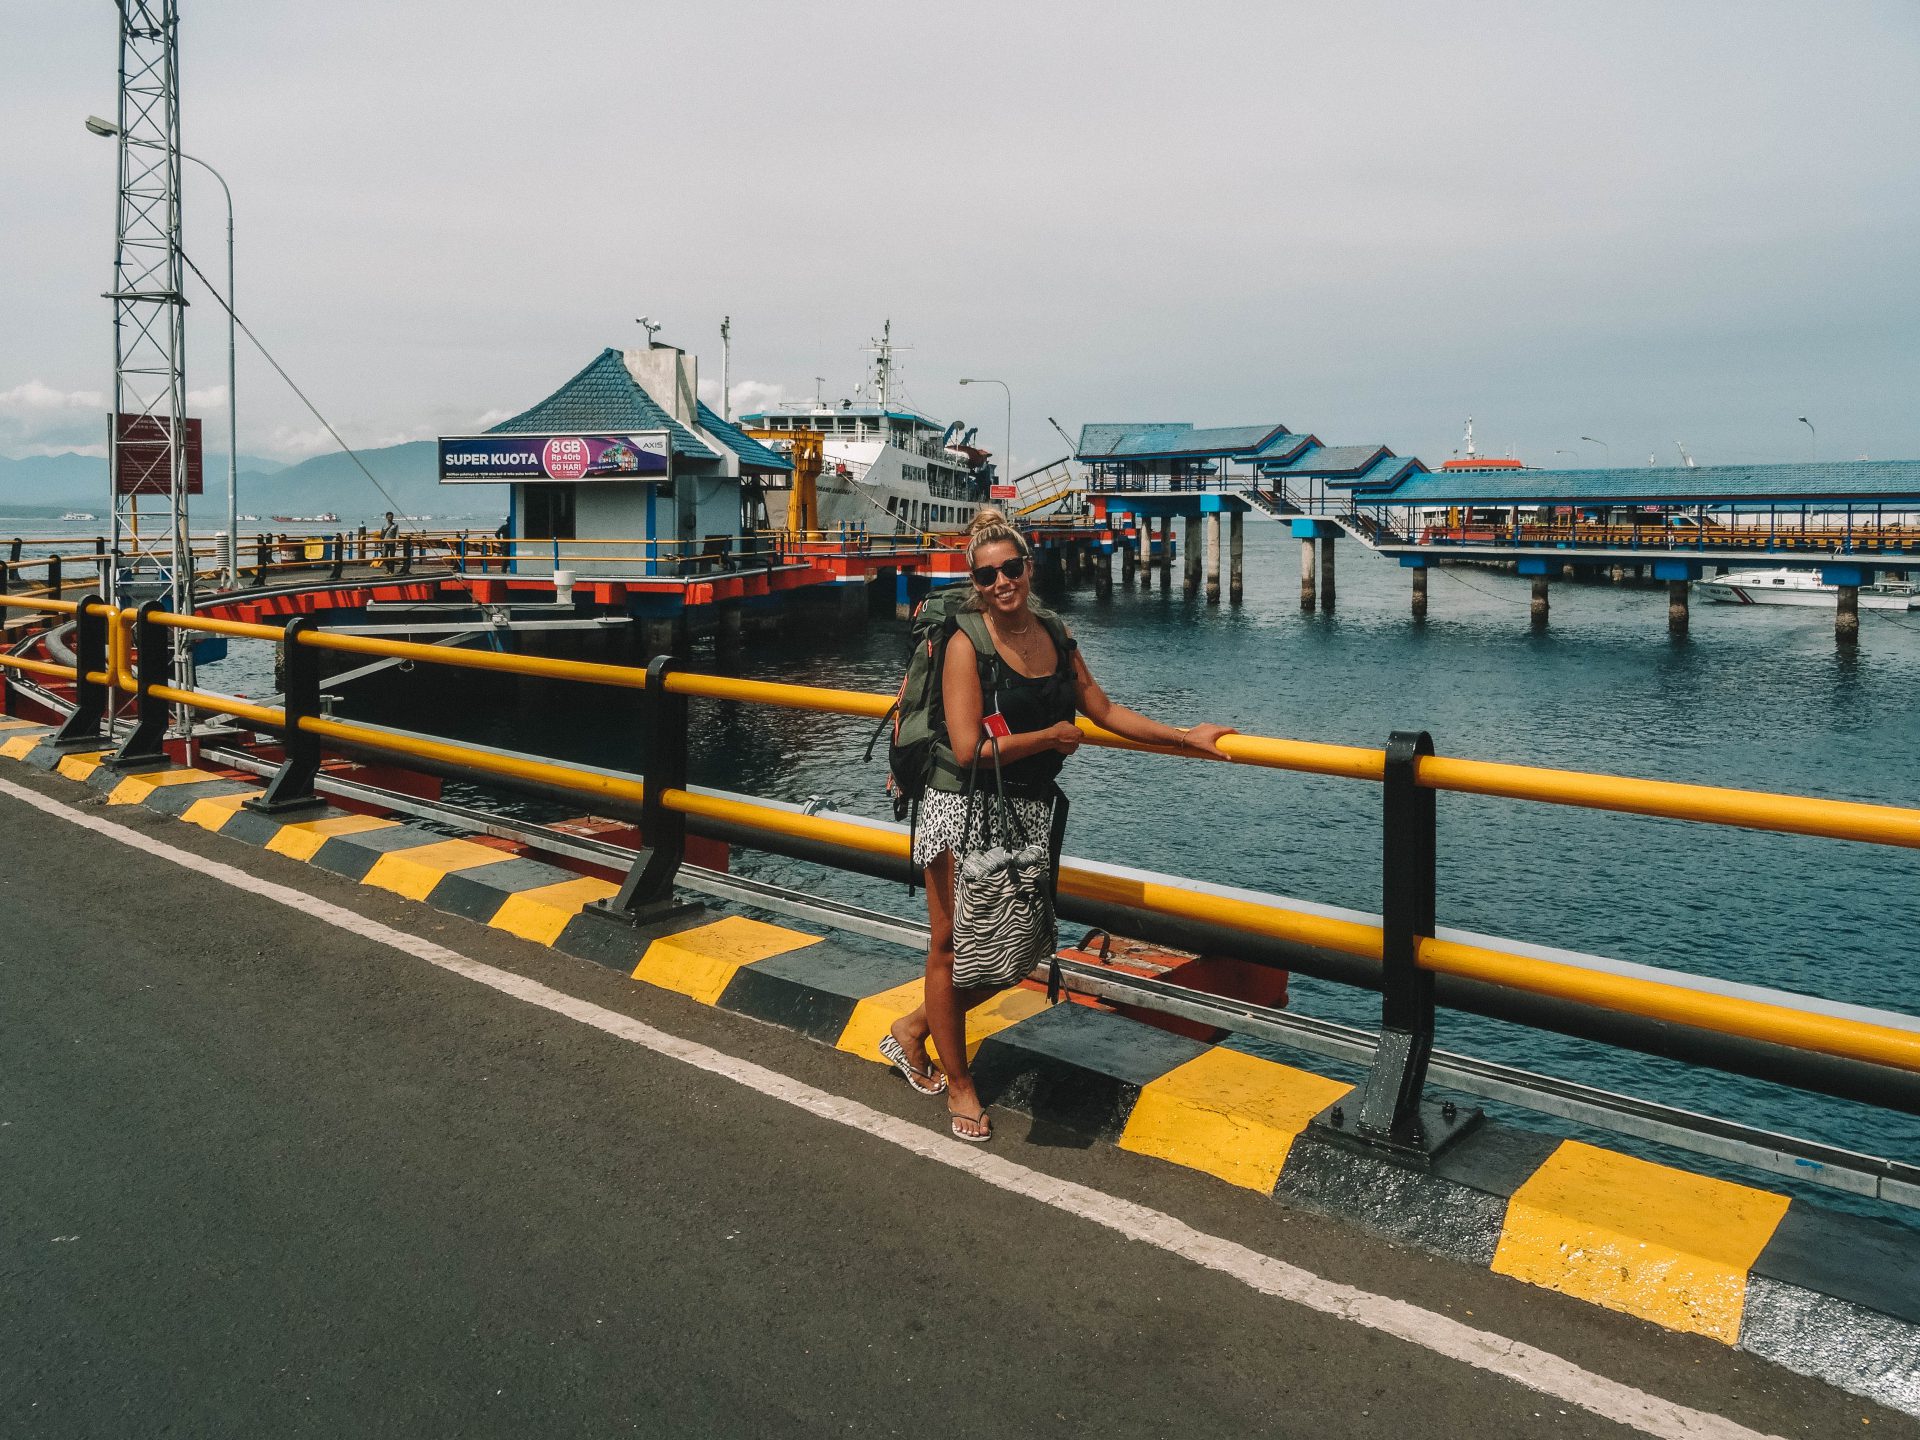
(988, 517)
(990, 524)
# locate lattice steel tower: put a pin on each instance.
(153, 552)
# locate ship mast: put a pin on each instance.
(883, 361)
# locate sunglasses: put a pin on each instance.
(985, 575)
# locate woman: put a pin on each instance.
(1037, 684)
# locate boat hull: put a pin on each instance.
(1729, 590)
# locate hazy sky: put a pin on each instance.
(1641, 222)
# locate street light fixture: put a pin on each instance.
(108, 130)
(1601, 443)
(1813, 445)
(1004, 386)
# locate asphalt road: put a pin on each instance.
(260, 1176)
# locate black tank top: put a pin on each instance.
(1028, 703)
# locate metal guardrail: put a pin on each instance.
(1402, 956)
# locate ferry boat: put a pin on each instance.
(1799, 587)
(884, 468)
(79, 515)
(329, 518)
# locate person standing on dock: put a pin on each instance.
(1037, 683)
(389, 535)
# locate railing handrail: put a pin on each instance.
(1854, 820)
(1804, 1030)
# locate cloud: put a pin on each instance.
(206, 399)
(41, 419)
(32, 397)
(751, 395)
(494, 416)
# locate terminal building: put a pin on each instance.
(627, 456)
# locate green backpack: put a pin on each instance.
(919, 742)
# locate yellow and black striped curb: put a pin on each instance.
(1832, 1295)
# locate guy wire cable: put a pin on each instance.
(346, 448)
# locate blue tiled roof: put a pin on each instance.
(1329, 460)
(1386, 472)
(1171, 442)
(1103, 442)
(600, 398)
(1282, 448)
(753, 455)
(1869, 481)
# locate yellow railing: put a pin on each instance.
(1800, 1029)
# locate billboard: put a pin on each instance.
(489, 459)
(140, 465)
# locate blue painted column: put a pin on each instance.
(1678, 574)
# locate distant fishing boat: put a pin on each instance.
(329, 518)
(79, 515)
(1799, 587)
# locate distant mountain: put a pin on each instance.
(52, 483)
(410, 473)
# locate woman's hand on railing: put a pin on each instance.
(1065, 737)
(1206, 739)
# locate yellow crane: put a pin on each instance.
(804, 449)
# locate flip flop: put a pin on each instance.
(954, 1118)
(927, 1082)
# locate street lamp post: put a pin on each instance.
(1601, 443)
(1004, 386)
(1813, 445)
(230, 560)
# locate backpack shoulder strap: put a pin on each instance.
(974, 625)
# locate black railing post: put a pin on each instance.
(1388, 1116)
(263, 556)
(56, 582)
(339, 556)
(646, 895)
(292, 785)
(6, 577)
(145, 748)
(406, 554)
(82, 728)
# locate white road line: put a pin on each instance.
(1526, 1365)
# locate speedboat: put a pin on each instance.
(1799, 587)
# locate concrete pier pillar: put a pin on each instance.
(1146, 552)
(1306, 574)
(1213, 558)
(1538, 609)
(1127, 554)
(902, 596)
(1677, 614)
(1326, 571)
(732, 629)
(1846, 615)
(1102, 572)
(1420, 593)
(1190, 583)
(657, 637)
(1236, 556)
(1166, 554)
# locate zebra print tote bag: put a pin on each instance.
(1003, 920)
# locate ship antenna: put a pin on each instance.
(1470, 449)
